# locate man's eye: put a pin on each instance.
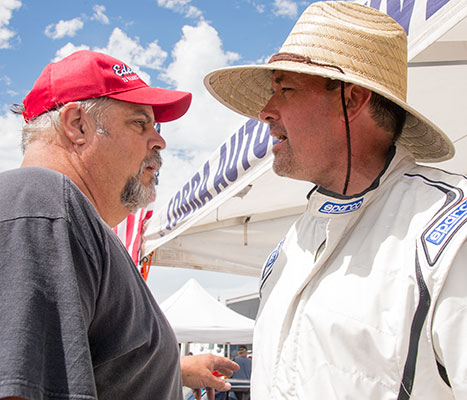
(281, 90)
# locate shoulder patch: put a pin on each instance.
(438, 235)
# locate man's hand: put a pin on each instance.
(197, 373)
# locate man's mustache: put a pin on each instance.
(155, 160)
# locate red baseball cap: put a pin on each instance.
(88, 74)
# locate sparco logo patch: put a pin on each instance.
(442, 230)
(336, 208)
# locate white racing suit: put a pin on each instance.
(366, 296)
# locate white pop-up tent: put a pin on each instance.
(197, 317)
(234, 210)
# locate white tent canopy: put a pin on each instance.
(197, 317)
(234, 210)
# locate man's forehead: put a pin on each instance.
(280, 76)
(297, 77)
(133, 110)
(147, 113)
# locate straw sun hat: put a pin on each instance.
(339, 40)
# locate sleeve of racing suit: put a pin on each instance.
(450, 325)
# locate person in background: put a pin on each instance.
(77, 320)
(244, 373)
(365, 296)
(244, 362)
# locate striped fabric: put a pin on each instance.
(130, 231)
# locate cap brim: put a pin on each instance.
(168, 105)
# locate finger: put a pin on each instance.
(218, 384)
(226, 366)
(226, 372)
(225, 363)
(210, 393)
(197, 394)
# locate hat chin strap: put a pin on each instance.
(349, 148)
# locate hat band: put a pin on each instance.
(301, 59)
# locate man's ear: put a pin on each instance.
(356, 100)
(72, 118)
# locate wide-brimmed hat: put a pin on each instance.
(88, 74)
(340, 40)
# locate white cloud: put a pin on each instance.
(130, 50)
(126, 49)
(207, 123)
(176, 168)
(6, 9)
(259, 7)
(197, 52)
(10, 132)
(6, 82)
(72, 26)
(285, 8)
(181, 7)
(99, 15)
(64, 28)
(68, 49)
(5, 36)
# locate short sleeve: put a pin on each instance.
(45, 352)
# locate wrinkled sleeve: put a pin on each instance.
(450, 325)
(45, 309)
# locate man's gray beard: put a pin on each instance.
(135, 194)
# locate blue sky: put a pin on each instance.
(172, 44)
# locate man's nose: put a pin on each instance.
(269, 112)
(156, 141)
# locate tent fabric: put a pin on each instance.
(234, 210)
(197, 317)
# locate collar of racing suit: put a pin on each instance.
(326, 203)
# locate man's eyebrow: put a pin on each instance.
(278, 79)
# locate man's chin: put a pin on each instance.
(280, 170)
(137, 195)
(141, 204)
(148, 198)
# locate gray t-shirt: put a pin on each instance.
(77, 321)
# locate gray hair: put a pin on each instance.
(45, 126)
